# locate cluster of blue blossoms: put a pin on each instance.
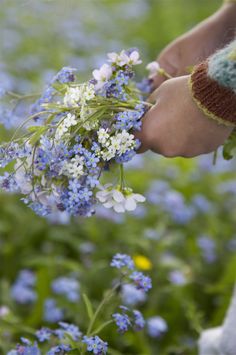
(67, 337)
(68, 287)
(22, 291)
(126, 264)
(128, 318)
(74, 133)
(94, 344)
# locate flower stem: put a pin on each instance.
(162, 71)
(26, 121)
(21, 97)
(215, 156)
(104, 325)
(100, 306)
(122, 182)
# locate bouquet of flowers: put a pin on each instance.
(74, 133)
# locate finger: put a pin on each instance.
(152, 99)
(143, 134)
(143, 147)
(156, 81)
(140, 135)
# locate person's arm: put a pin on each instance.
(186, 122)
(199, 43)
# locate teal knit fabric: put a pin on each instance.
(222, 66)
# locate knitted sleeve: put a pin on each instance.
(213, 85)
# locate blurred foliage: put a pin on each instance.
(39, 37)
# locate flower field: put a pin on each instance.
(143, 282)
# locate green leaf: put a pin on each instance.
(33, 129)
(52, 262)
(36, 136)
(229, 148)
(59, 86)
(102, 326)
(88, 305)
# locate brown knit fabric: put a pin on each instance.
(217, 100)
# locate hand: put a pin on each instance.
(198, 44)
(175, 126)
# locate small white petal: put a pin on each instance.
(134, 58)
(130, 204)
(108, 204)
(139, 197)
(134, 55)
(118, 207)
(118, 196)
(153, 68)
(96, 74)
(124, 59)
(100, 197)
(106, 71)
(113, 57)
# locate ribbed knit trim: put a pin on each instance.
(221, 68)
(217, 102)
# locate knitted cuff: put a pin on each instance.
(222, 66)
(216, 101)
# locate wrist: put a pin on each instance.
(226, 15)
(207, 93)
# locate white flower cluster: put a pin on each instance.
(66, 123)
(124, 59)
(74, 168)
(79, 94)
(119, 201)
(114, 145)
(72, 96)
(103, 74)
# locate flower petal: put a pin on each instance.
(118, 196)
(130, 203)
(134, 56)
(153, 67)
(106, 71)
(139, 197)
(101, 197)
(118, 207)
(108, 204)
(96, 74)
(112, 57)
